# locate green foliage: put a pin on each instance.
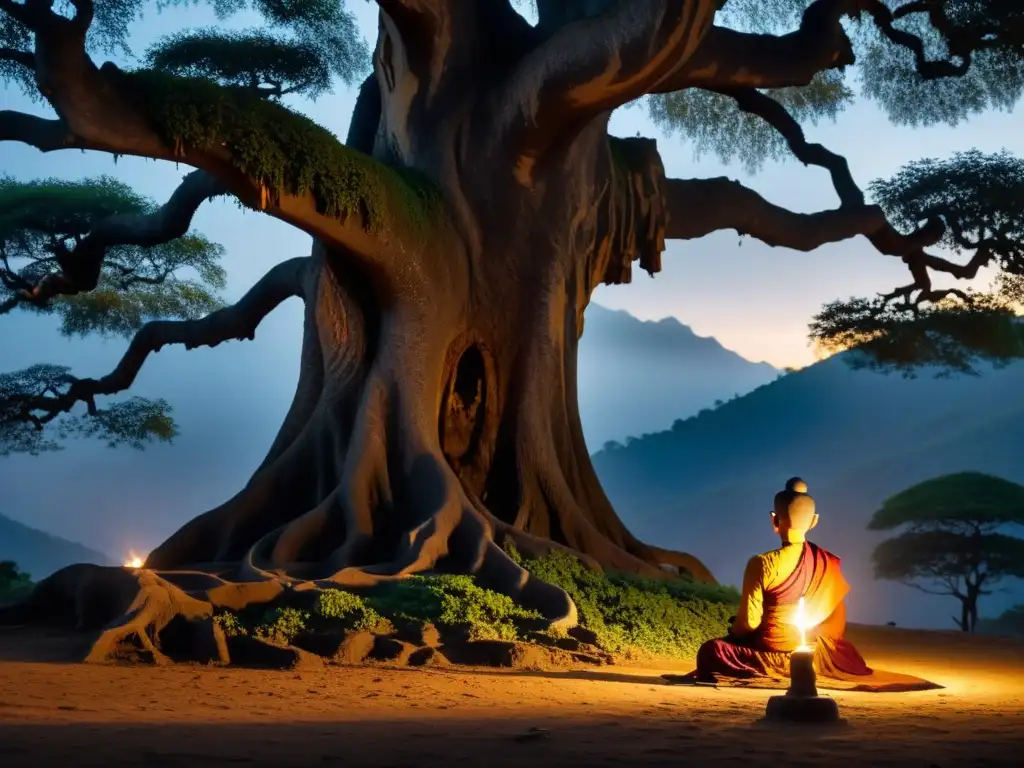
(980, 198)
(670, 618)
(995, 79)
(663, 618)
(948, 557)
(252, 59)
(965, 500)
(348, 608)
(1010, 622)
(11, 577)
(280, 149)
(231, 623)
(137, 284)
(25, 395)
(453, 602)
(952, 336)
(715, 125)
(282, 624)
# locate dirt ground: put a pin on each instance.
(57, 714)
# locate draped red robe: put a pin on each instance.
(765, 652)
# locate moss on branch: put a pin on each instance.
(282, 151)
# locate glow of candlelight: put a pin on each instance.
(801, 625)
(134, 561)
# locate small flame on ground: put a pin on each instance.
(133, 561)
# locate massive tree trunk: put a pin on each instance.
(436, 413)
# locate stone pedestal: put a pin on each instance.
(802, 703)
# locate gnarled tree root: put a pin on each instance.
(159, 617)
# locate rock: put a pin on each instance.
(420, 635)
(498, 653)
(202, 641)
(245, 651)
(596, 658)
(427, 657)
(584, 635)
(392, 650)
(568, 644)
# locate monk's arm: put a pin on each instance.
(748, 618)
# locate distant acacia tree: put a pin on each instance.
(952, 540)
(87, 252)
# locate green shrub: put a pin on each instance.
(452, 601)
(231, 624)
(347, 608)
(1011, 622)
(659, 617)
(15, 584)
(282, 624)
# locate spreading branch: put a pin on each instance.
(730, 59)
(592, 65)
(80, 267)
(41, 133)
(887, 240)
(238, 321)
(24, 58)
(107, 110)
(698, 207)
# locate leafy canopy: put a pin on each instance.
(980, 199)
(953, 501)
(41, 220)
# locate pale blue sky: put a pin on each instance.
(230, 400)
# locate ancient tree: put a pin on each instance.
(460, 229)
(954, 538)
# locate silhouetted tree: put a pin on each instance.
(952, 542)
(51, 233)
(461, 229)
(11, 578)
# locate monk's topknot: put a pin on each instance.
(796, 485)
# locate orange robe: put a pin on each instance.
(764, 632)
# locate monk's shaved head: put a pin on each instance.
(794, 507)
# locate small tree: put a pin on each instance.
(11, 578)
(951, 538)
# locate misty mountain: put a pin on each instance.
(638, 376)
(856, 436)
(39, 554)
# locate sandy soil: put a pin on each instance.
(54, 714)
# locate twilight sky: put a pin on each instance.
(229, 401)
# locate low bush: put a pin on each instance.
(628, 615)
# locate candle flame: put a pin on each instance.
(801, 625)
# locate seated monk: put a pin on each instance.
(764, 631)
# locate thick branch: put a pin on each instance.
(698, 207)
(730, 59)
(886, 240)
(110, 111)
(238, 321)
(593, 65)
(24, 58)
(80, 267)
(45, 135)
